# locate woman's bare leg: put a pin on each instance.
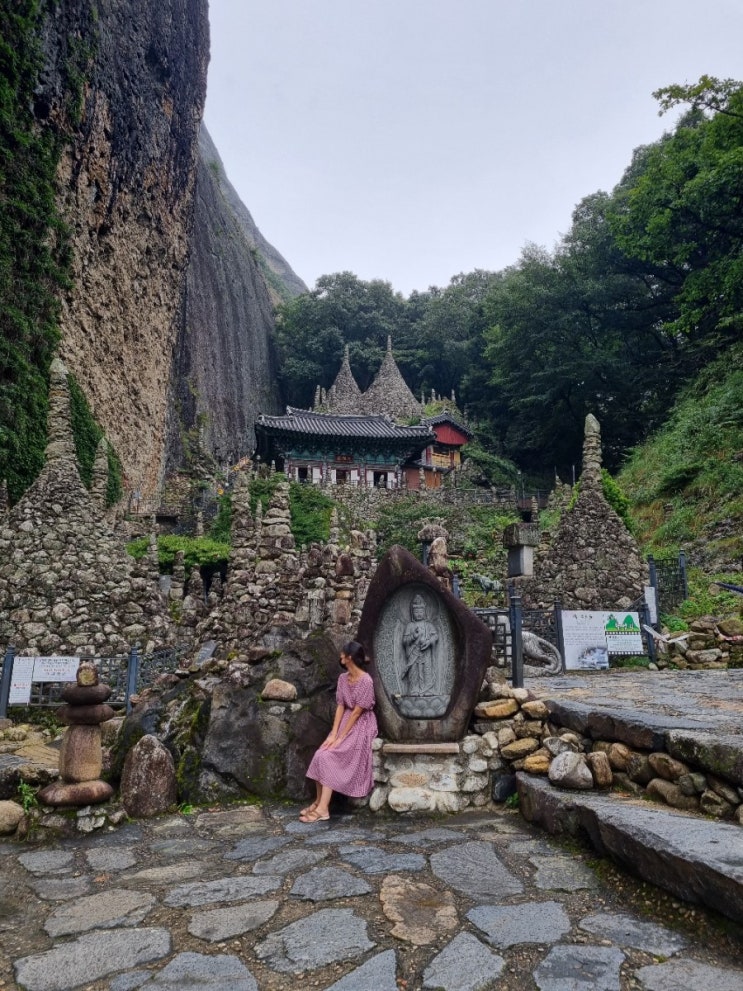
(323, 801)
(313, 805)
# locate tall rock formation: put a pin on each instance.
(126, 185)
(153, 342)
(226, 369)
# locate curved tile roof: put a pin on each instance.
(370, 425)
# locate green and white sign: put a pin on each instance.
(591, 636)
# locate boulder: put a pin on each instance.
(569, 770)
(148, 784)
(11, 814)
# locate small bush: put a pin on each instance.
(310, 511)
(197, 551)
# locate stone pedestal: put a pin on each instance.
(437, 777)
(520, 539)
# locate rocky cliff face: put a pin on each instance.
(152, 342)
(225, 364)
(126, 183)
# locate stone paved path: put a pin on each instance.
(711, 701)
(249, 899)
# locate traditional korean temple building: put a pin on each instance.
(340, 449)
(351, 437)
(440, 457)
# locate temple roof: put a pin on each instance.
(389, 393)
(369, 425)
(447, 417)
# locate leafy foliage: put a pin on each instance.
(684, 212)
(197, 551)
(310, 511)
(87, 435)
(34, 258)
(689, 474)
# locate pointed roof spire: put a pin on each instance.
(344, 396)
(389, 392)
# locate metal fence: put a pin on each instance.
(507, 625)
(668, 578)
(125, 674)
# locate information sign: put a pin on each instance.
(55, 668)
(591, 636)
(20, 680)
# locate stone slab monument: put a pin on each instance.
(429, 652)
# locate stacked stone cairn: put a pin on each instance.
(270, 585)
(592, 562)
(81, 753)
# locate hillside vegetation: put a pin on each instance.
(685, 482)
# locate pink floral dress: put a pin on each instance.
(347, 768)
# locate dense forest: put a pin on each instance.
(635, 301)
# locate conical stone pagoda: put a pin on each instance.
(389, 392)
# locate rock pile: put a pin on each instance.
(67, 585)
(271, 586)
(712, 642)
(592, 562)
(522, 735)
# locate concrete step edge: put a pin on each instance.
(696, 859)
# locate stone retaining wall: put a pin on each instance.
(444, 777)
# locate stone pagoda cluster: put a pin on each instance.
(271, 583)
(388, 392)
(67, 584)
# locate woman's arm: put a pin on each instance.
(331, 737)
(350, 723)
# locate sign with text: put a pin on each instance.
(591, 636)
(20, 681)
(55, 668)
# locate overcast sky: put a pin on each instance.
(410, 140)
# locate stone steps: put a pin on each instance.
(696, 859)
(697, 720)
(710, 748)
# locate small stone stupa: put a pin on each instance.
(81, 754)
(593, 561)
(344, 395)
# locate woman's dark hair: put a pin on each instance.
(356, 652)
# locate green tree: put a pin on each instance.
(313, 329)
(684, 213)
(575, 331)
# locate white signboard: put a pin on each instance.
(591, 636)
(55, 668)
(652, 601)
(20, 680)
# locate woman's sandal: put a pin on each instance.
(314, 816)
(308, 810)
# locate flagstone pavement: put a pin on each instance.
(247, 898)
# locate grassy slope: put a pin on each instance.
(685, 483)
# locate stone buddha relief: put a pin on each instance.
(429, 652)
(415, 650)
